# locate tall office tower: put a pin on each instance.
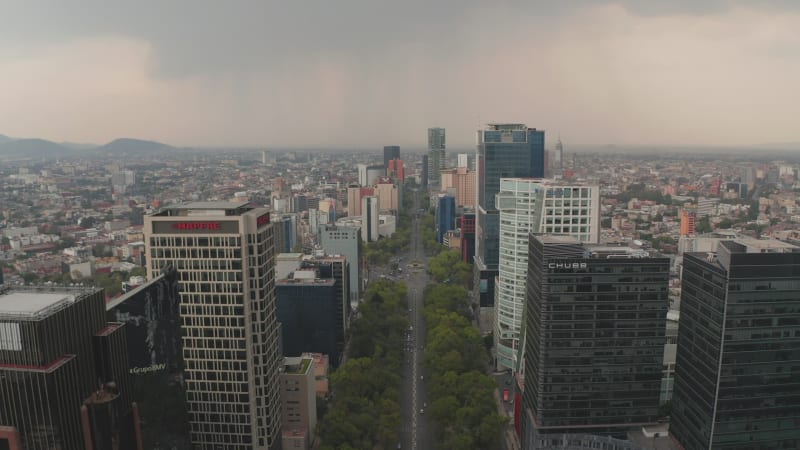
(749, 177)
(436, 155)
(467, 225)
(369, 218)
(337, 268)
(595, 325)
(463, 181)
(354, 195)
(317, 218)
(299, 398)
(298, 204)
(307, 311)
(558, 156)
(736, 370)
(423, 178)
(688, 221)
(362, 174)
(286, 235)
(390, 152)
(504, 151)
(224, 256)
(388, 194)
(340, 240)
(396, 170)
(445, 216)
(151, 314)
(527, 206)
(368, 175)
(63, 371)
(353, 199)
(463, 160)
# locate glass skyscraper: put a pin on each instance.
(505, 150)
(436, 154)
(737, 369)
(594, 336)
(390, 152)
(530, 205)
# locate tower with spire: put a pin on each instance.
(558, 155)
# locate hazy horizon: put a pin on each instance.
(363, 74)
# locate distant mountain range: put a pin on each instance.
(40, 148)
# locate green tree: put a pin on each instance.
(703, 226)
(448, 265)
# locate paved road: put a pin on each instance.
(416, 431)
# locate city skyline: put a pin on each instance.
(189, 74)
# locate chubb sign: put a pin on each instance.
(566, 265)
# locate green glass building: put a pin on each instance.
(737, 371)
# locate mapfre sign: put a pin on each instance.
(195, 226)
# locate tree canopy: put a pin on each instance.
(365, 412)
(463, 406)
(448, 267)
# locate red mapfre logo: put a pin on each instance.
(197, 226)
(262, 220)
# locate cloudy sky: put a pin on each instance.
(367, 73)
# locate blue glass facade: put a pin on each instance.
(445, 216)
(307, 311)
(737, 368)
(504, 152)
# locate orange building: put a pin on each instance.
(464, 182)
(396, 169)
(688, 221)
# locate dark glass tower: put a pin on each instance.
(737, 370)
(505, 150)
(436, 154)
(307, 311)
(424, 172)
(338, 269)
(151, 314)
(445, 216)
(57, 353)
(390, 152)
(594, 342)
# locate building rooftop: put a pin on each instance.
(205, 209)
(607, 250)
(305, 282)
(33, 305)
(296, 365)
(208, 205)
(506, 126)
(288, 256)
(558, 239)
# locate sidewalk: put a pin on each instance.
(511, 440)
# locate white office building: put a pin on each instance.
(530, 205)
(224, 254)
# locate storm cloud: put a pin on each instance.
(366, 73)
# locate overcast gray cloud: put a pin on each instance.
(367, 73)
